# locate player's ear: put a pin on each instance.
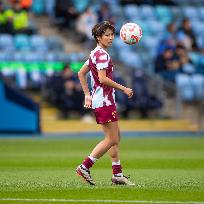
(99, 38)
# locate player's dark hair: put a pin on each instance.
(100, 28)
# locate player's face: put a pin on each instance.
(106, 39)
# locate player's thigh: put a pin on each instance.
(111, 129)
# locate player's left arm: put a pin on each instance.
(109, 82)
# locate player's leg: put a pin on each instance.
(118, 178)
(111, 138)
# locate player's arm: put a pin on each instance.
(83, 80)
(108, 82)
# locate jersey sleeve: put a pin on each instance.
(102, 60)
(87, 62)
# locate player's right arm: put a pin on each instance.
(83, 80)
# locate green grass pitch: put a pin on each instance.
(42, 170)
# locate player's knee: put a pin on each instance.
(115, 141)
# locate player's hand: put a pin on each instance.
(128, 92)
(88, 101)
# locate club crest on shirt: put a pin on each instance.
(114, 114)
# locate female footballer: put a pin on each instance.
(102, 101)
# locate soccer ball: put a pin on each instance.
(131, 33)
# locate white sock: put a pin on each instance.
(93, 159)
(116, 163)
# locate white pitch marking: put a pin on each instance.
(100, 201)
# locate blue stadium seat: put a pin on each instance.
(6, 56)
(201, 12)
(194, 57)
(81, 5)
(200, 41)
(191, 12)
(157, 28)
(39, 43)
(198, 28)
(50, 7)
(51, 56)
(120, 20)
(19, 56)
(148, 61)
(120, 45)
(176, 11)
(131, 59)
(147, 12)
(34, 56)
(151, 43)
(116, 10)
(131, 11)
(22, 42)
(38, 6)
(184, 87)
(6, 42)
(63, 57)
(54, 44)
(198, 85)
(74, 57)
(163, 14)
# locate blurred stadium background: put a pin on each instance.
(45, 132)
(43, 43)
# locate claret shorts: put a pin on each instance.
(106, 114)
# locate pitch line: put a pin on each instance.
(99, 201)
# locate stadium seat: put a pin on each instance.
(50, 7)
(22, 42)
(63, 57)
(51, 56)
(198, 27)
(6, 56)
(147, 12)
(116, 10)
(6, 42)
(74, 57)
(163, 14)
(151, 44)
(81, 5)
(38, 6)
(157, 28)
(184, 87)
(131, 59)
(131, 11)
(54, 44)
(39, 43)
(201, 12)
(148, 61)
(191, 12)
(200, 41)
(194, 57)
(34, 56)
(198, 85)
(19, 56)
(176, 12)
(119, 44)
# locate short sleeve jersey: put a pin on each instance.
(102, 95)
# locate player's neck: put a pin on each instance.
(102, 46)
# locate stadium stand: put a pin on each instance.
(32, 59)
